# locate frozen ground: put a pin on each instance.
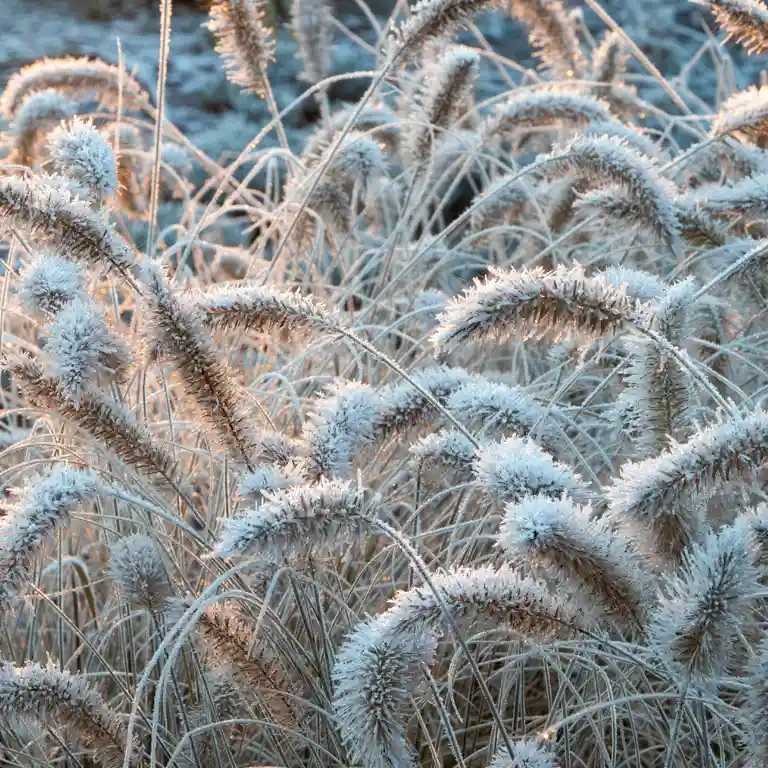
(220, 120)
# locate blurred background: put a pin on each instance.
(221, 121)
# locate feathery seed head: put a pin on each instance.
(609, 59)
(58, 699)
(643, 286)
(75, 77)
(515, 468)
(51, 219)
(79, 150)
(700, 617)
(374, 676)
(343, 422)
(265, 478)
(137, 569)
(80, 347)
(553, 34)
(432, 20)
(544, 107)
(548, 535)
(49, 283)
(657, 492)
(39, 112)
(43, 505)
(610, 160)
(311, 25)
(745, 21)
(744, 113)
(298, 520)
(527, 754)
(500, 203)
(243, 40)
(447, 448)
(534, 303)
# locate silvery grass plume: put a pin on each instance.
(311, 25)
(528, 753)
(447, 87)
(137, 570)
(496, 406)
(515, 468)
(179, 330)
(107, 421)
(658, 493)
(432, 20)
(549, 536)
(43, 506)
(745, 21)
(52, 219)
(553, 34)
(49, 283)
(244, 41)
(342, 422)
(500, 203)
(251, 307)
(74, 77)
(609, 58)
(534, 109)
(402, 406)
(39, 113)
(611, 161)
(537, 304)
(745, 113)
(659, 391)
(747, 197)
(700, 621)
(757, 707)
(299, 520)
(81, 349)
(447, 448)
(375, 675)
(229, 640)
(57, 700)
(78, 150)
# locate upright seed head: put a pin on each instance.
(40, 112)
(81, 347)
(244, 41)
(311, 24)
(80, 151)
(527, 753)
(137, 570)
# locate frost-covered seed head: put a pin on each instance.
(40, 112)
(243, 40)
(294, 521)
(744, 113)
(137, 569)
(44, 505)
(343, 422)
(79, 150)
(80, 347)
(745, 21)
(447, 448)
(527, 754)
(515, 468)
(536, 304)
(702, 613)
(49, 283)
